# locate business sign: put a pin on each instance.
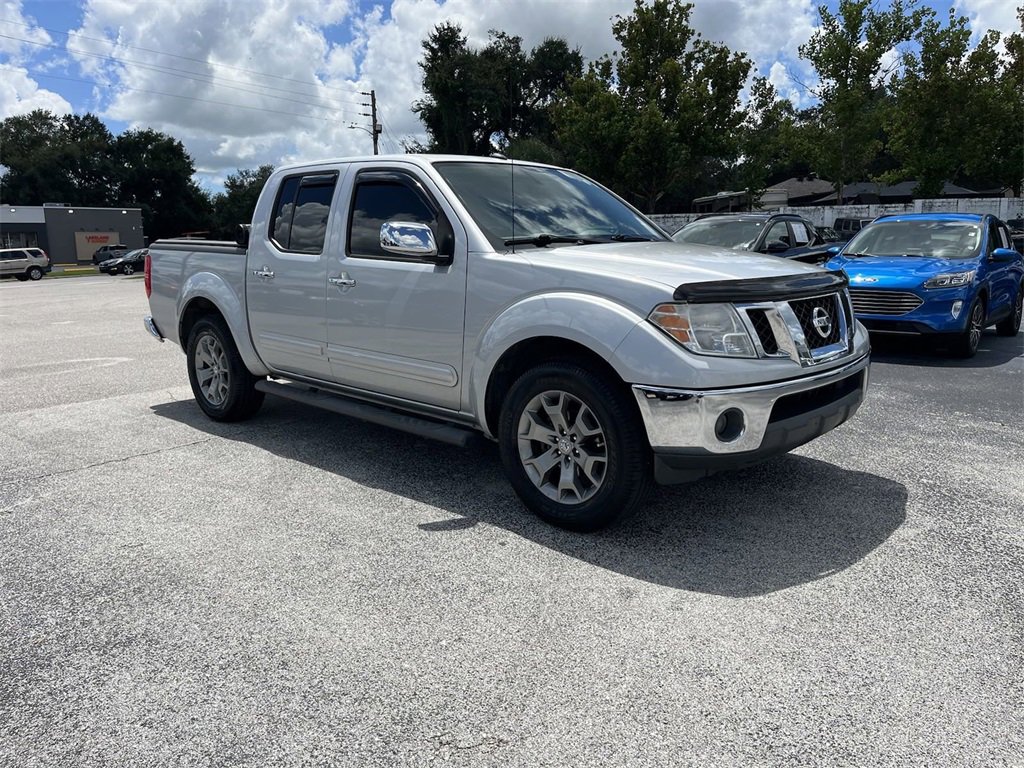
(86, 243)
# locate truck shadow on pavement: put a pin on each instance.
(788, 522)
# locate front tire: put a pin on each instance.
(965, 345)
(1011, 325)
(573, 447)
(222, 385)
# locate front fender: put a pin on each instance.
(216, 290)
(594, 322)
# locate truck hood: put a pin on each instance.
(667, 263)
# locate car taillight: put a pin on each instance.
(149, 275)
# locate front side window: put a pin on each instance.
(382, 198)
(778, 232)
(301, 212)
(993, 238)
(801, 236)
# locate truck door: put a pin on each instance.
(395, 324)
(286, 276)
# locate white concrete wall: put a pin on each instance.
(825, 215)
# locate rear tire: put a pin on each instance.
(1011, 325)
(966, 344)
(128, 269)
(222, 385)
(574, 447)
(35, 273)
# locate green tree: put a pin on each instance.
(846, 52)
(948, 111)
(476, 100)
(670, 107)
(155, 174)
(770, 139)
(236, 204)
(53, 159)
(86, 153)
(1011, 86)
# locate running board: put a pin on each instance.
(434, 430)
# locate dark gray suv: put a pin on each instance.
(105, 252)
(777, 234)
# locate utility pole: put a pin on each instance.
(376, 127)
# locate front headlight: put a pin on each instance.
(708, 329)
(951, 279)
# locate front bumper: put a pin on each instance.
(942, 310)
(694, 432)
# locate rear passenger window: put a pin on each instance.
(301, 212)
(800, 234)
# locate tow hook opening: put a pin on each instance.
(730, 425)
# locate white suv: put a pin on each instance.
(24, 263)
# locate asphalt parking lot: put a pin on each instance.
(305, 589)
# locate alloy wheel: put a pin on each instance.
(976, 325)
(562, 447)
(212, 371)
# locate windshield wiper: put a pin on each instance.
(544, 240)
(631, 238)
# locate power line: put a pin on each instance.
(198, 76)
(160, 53)
(38, 74)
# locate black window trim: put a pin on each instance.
(316, 179)
(414, 184)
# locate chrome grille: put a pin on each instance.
(763, 329)
(823, 310)
(790, 328)
(871, 301)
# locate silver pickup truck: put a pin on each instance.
(454, 296)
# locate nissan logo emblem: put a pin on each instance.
(822, 321)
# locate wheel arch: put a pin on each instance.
(207, 294)
(529, 353)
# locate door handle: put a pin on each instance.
(343, 281)
(264, 273)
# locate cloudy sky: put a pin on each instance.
(246, 82)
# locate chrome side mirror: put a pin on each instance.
(406, 238)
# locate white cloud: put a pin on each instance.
(984, 15)
(786, 86)
(211, 98)
(19, 92)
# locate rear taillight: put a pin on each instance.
(149, 275)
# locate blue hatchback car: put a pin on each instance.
(952, 274)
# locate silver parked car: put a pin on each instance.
(24, 263)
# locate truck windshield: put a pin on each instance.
(551, 206)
